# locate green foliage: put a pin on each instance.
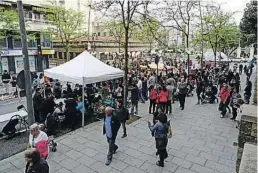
(248, 24)
(9, 19)
(117, 30)
(66, 24)
(219, 32)
(148, 30)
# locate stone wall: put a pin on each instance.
(249, 159)
(247, 130)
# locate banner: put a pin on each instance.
(19, 66)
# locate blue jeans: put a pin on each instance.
(140, 95)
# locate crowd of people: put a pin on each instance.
(162, 89)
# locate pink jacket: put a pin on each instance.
(42, 147)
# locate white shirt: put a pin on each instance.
(139, 84)
(41, 137)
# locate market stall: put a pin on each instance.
(84, 69)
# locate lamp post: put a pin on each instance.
(157, 63)
(202, 32)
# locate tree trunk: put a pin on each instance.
(67, 55)
(188, 55)
(126, 65)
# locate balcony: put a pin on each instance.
(37, 24)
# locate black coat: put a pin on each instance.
(115, 125)
(134, 95)
(39, 167)
(123, 114)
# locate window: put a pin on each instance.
(46, 40)
(17, 42)
(3, 42)
(60, 55)
(37, 16)
(41, 17)
(32, 43)
(98, 33)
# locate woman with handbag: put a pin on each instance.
(160, 130)
(153, 97)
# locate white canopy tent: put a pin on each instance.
(209, 56)
(84, 69)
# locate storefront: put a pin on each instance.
(12, 61)
(46, 54)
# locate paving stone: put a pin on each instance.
(195, 159)
(53, 166)
(89, 152)
(73, 154)
(147, 150)
(133, 152)
(19, 163)
(227, 162)
(183, 170)
(202, 148)
(219, 167)
(100, 167)
(86, 160)
(82, 169)
(100, 157)
(69, 163)
(170, 167)
(148, 158)
(133, 170)
(181, 162)
(63, 148)
(133, 161)
(118, 165)
(114, 171)
(150, 168)
(190, 151)
(63, 170)
(209, 156)
(14, 170)
(214, 146)
(177, 153)
(202, 169)
(58, 158)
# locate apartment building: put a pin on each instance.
(40, 46)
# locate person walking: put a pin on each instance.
(248, 91)
(110, 128)
(234, 103)
(153, 97)
(139, 85)
(35, 164)
(182, 91)
(224, 97)
(134, 99)
(123, 114)
(170, 98)
(240, 68)
(160, 130)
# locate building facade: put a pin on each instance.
(39, 46)
(102, 47)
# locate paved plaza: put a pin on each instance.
(202, 142)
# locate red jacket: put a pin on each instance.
(163, 96)
(153, 94)
(224, 94)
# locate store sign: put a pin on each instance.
(17, 52)
(48, 52)
(19, 66)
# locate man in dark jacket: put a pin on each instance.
(110, 128)
(134, 98)
(37, 101)
(123, 115)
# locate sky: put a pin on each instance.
(234, 5)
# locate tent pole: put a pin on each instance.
(83, 104)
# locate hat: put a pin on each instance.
(109, 108)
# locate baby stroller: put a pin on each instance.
(49, 127)
(209, 96)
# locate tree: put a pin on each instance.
(178, 15)
(219, 31)
(125, 11)
(149, 30)
(248, 24)
(66, 24)
(117, 30)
